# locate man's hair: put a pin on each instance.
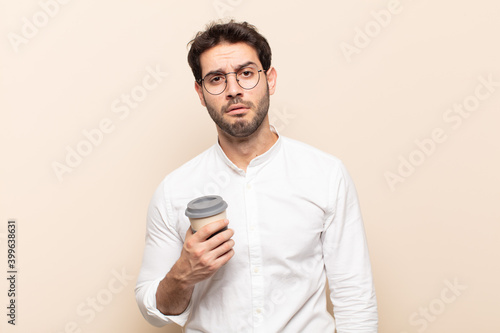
(231, 32)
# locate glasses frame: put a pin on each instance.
(202, 81)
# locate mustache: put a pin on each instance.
(237, 100)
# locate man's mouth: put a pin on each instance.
(237, 109)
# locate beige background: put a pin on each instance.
(438, 225)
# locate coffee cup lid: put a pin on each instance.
(205, 206)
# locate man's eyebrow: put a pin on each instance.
(246, 64)
(219, 71)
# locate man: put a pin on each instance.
(293, 215)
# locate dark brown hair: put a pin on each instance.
(231, 32)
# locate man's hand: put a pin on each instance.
(200, 259)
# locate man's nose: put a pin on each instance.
(233, 88)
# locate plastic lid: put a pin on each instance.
(205, 206)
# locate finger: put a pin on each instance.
(211, 228)
(222, 249)
(220, 238)
(223, 259)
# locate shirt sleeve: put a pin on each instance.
(347, 261)
(162, 249)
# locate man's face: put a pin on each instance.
(236, 111)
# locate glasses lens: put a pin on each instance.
(215, 83)
(248, 77)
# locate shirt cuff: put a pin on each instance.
(158, 318)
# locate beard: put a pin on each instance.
(240, 127)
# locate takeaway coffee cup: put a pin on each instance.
(204, 210)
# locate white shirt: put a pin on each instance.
(296, 223)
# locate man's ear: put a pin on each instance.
(199, 90)
(272, 75)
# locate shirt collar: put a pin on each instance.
(259, 160)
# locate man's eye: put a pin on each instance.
(216, 79)
(247, 73)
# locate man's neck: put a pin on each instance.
(242, 150)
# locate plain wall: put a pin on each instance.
(396, 89)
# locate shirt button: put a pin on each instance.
(249, 186)
(259, 310)
(252, 228)
(256, 269)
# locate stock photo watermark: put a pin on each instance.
(121, 107)
(12, 271)
(31, 26)
(429, 313)
(280, 118)
(454, 116)
(279, 294)
(222, 7)
(88, 309)
(3, 238)
(363, 36)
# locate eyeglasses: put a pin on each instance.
(215, 83)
